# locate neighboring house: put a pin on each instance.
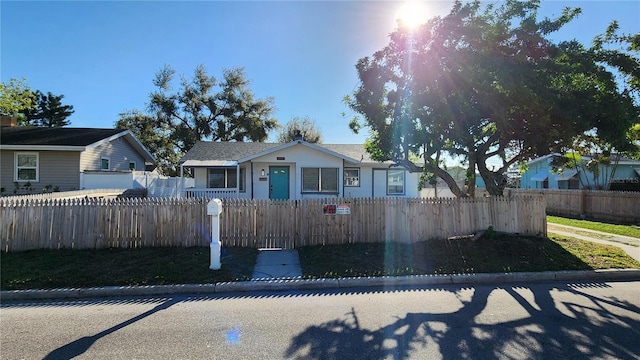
(295, 170)
(37, 159)
(540, 175)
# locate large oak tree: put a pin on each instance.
(202, 108)
(485, 82)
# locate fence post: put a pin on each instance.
(214, 209)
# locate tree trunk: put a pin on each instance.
(494, 182)
(448, 179)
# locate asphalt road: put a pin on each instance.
(553, 320)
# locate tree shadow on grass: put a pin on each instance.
(561, 322)
(498, 254)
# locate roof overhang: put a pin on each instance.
(133, 141)
(209, 163)
(42, 147)
(541, 176)
(566, 175)
(303, 143)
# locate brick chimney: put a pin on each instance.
(7, 121)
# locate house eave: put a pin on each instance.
(43, 148)
(131, 139)
(298, 142)
(209, 163)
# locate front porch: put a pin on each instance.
(210, 193)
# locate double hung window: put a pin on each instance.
(395, 182)
(225, 178)
(27, 164)
(320, 180)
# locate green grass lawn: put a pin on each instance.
(501, 253)
(122, 267)
(46, 269)
(625, 230)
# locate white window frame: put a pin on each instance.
(348, 180)
(404, 181)
(108, 163)
(242, 179)
(17, 167)
(319, 190)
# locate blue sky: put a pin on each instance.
(102, 56)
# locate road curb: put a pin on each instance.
(311, 284)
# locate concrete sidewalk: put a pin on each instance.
(277, 264)
(629, 244)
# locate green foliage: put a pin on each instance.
(156, 138)
(307, 128)
(491, 233)
(196, 112)
(483, 82)
(625, 230)
(16, 97)
(48, 111)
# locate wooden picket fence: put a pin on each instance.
(131, 223)
(617, 206)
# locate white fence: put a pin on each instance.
(105, 180)
(157, 185)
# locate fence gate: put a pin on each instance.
(259, 223)
(285, 224)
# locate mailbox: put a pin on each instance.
(214, 209)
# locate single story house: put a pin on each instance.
(540, 175)
(294, 170)
(37, 159)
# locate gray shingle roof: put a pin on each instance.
(207, 150)
(31, 135)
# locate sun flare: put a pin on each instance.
(412, 14)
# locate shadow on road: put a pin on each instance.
(585, 327)
(557, 320)
(80, 346)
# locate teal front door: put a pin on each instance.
(279, 182)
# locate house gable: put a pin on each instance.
(298, 144)
(62, 154)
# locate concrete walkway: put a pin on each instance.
(277, 264)
(629, 244)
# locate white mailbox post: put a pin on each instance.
(214, 209)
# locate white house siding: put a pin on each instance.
(300, 156)
(366, 182)
(55, 168)
(380, 183)
(119, 152)
(296, 157)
